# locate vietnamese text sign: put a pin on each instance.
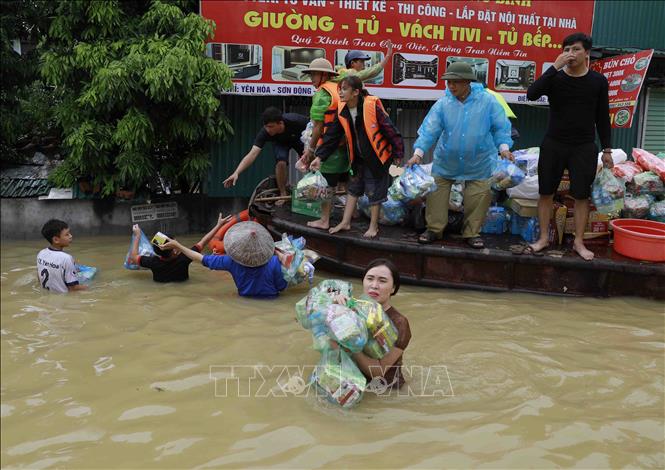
(625, 74)
(508, 43)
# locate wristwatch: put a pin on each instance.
(607, 150)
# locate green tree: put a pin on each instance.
(139, 97)
(26, 104)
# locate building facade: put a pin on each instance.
(619, 27)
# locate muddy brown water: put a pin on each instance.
(135, 374)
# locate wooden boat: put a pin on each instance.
(453, 264)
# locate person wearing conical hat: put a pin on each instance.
(468, 128)
(251, 259)
(322, 113)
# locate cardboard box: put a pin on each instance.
(311, 209)
(523, 207)
(598, 223)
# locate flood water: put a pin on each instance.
(135, 374)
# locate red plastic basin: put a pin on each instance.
(639, 239)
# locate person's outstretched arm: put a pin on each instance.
(245, 163)
(188, 252)
(371, 72)
(221, 220)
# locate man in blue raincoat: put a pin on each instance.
(468, 125)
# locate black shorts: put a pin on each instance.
(334, 178)
(580, 160)
(282, 151)
(376, 189)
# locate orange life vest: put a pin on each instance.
(331, 112)
(217, 242)
(379, 143)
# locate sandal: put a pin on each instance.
(428, 237)
(529, 251)
(476, 242)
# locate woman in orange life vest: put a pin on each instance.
(373, 143)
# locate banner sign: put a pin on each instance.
(508, 43)
(625, 74)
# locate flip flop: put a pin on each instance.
(428, 237)
(529, 251)
(476, 242)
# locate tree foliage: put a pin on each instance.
(26, 104)
(139, 97)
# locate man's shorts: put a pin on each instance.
(581, 161)
(282, 152)
(376, 189)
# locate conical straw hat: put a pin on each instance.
(249, 244)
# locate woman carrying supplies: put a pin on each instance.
(373, 144)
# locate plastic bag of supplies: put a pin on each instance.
(607, 193)
(299, 263)
(627, 171)
(312, 187)
(650, 162)
(84, 273)
(413, 183)
(657, 211)
(647, 183)
(381, 332)
(636, 207)
(339, 379)
(145, 249)
(506, 174)
(391, 213)
(312, 309)
(346, 327)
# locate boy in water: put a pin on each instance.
(55, 268)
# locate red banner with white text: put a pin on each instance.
(508, 43)
(625, 74)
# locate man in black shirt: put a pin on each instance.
(170, 265)
(284, 131)
(579, 106)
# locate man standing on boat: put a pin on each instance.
(468, 125)
(284, 131)
(323, 113)
(579, 106)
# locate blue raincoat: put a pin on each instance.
(467, 134)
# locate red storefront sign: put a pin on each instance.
(507, 42)
(625, 74)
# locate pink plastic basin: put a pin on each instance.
(639, 239)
